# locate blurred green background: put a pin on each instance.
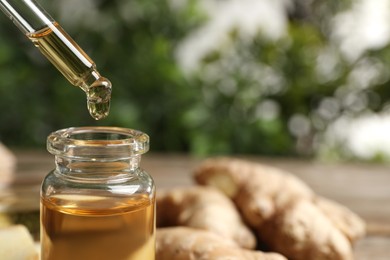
(278, 78)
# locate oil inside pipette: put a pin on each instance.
(80, 70)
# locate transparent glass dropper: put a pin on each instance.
(62, 51)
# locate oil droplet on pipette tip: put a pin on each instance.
(98, 98)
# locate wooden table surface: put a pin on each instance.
(364, 188)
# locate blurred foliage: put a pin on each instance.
(260, 96)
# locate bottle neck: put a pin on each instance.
(97, 170)
(98, 152)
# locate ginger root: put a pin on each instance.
(7, 165)
(259, 191)
(344, 219)
(183, 243)
(203, 208)
(17, 244)
(302, 231)
(285, 212)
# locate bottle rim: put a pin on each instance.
(97, 143)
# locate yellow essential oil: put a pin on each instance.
(92, 227)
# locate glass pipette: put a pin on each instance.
(62, 51)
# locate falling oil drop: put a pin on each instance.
(98, 98)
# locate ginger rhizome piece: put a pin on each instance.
(343, 218)
(203, 208)
(286, 214)
(302, 231)
(17, 243)
(183, 243)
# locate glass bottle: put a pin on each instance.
(97, 203)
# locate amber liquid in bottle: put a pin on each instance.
(76, 227)
(60, 49)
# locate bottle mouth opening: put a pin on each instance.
(102, 142)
